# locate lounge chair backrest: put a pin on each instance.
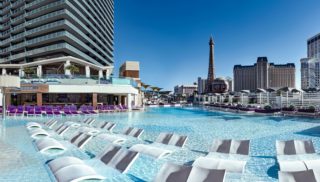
(175, 173)
(107, 125)
(293, 147)
(118, 158)
(298, 176)
(231, 146)
(63, 128)
(51, 122)
(80, 139)
(172, 139)
(134, 132)
(89, 121)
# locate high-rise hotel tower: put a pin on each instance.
(32, 30)
(310, 66)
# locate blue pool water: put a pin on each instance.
(20, 161)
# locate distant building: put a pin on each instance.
(314, 46)
(130, 69)
(310, 66)
(186, 90)
(220, 85)
(230, 83)
(202, 85)
(263, 75)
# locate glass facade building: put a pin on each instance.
(32, 30)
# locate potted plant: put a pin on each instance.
(72, 68)
(310, 109)
(29, 71)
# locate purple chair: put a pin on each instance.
(91, 110)
(73, 110)
(56, 111)
(37, 111)
(20, 111)
(30, 111)
(84, 109)
(49, 111)
(67, 111)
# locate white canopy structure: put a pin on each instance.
(7, 81)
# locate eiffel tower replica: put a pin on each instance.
(210, 78)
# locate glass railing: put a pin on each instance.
(34, 2)
(46, 26)
(17, 2)
(17, 36)
(48, 6)
(46, 37)
(16, 46)
(18, 18)
(76, 79)
(45, 17)
(18, 27)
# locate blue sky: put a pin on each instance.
(170, 37)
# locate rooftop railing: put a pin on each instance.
(76, 79)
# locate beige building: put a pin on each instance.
(263, 75)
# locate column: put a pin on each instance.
(87, 71)
(39, 99)
(100, 74)
(39, 71)
(21, 72)
(94, 100)
(66, 71)
(107, 74)
(129, 102)
(4, 71)
(8, 99)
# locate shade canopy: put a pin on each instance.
(245, 91)
(260, 90)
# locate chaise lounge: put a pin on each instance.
(67, 169)
(232, 161)
(158, 148)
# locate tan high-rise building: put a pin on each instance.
(263, 75)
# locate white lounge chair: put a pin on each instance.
(76, 173)
(107, 126)
(299, 176)
(46, 144)
(81, 138)
(157, 151)
(233, 149)
(120, 139)
(50, 123)
(39, 132)
(177, 173)
(133, 132)
(292, 156)
(71, 168)
(64, 127)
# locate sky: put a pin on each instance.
(170, 37)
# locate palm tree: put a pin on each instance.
(73, 68)
(145, 86)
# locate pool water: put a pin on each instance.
(20, 160)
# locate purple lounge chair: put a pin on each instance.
(84, 109)
(20, 111)
(49, 111)
(91, 110)
(30, 111)
(73, 110)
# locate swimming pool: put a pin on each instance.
(20, 160)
